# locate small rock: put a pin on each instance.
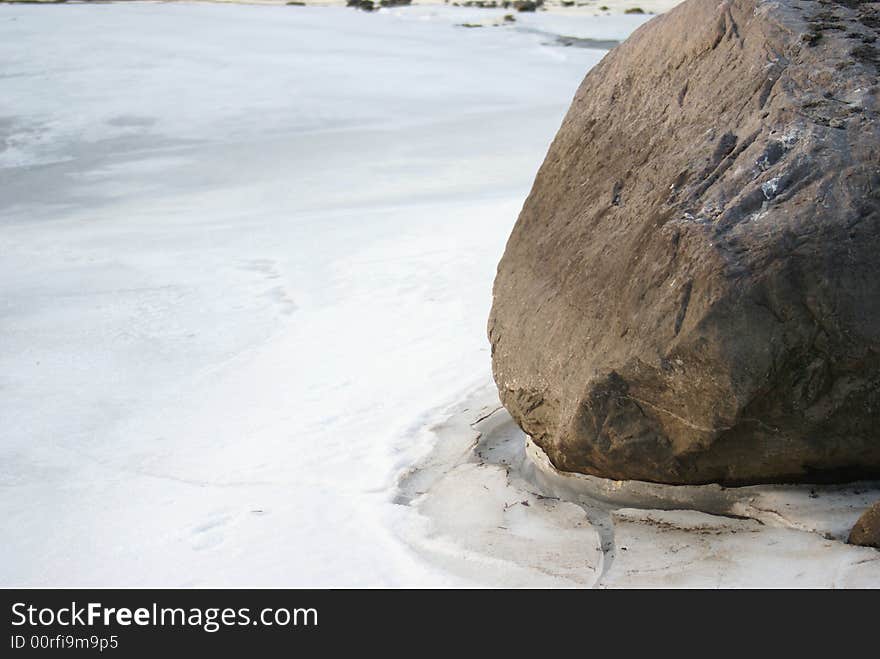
(527, 5)
(866, 531)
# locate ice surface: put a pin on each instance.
(246, 250)
(645, 535)
(247, 255)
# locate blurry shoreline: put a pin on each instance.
(573, 7)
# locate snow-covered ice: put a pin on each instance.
(247, 255)
(245, 251)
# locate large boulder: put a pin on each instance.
(691, 293)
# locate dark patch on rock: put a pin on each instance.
(725, 145)
(867, 54)
(615, 193)
(772, 154)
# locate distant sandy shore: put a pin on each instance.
(579, 7)
(575, 7)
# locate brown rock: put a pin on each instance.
(866, 531)
(691, 293)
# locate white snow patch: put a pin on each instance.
(246, 249)
(770, 187)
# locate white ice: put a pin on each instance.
(244, 252)
(246, 256)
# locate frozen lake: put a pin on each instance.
(247, 252)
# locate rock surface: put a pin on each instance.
(691, 293)
(866, 531)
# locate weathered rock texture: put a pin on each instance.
(692, 290)
(866, 531)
